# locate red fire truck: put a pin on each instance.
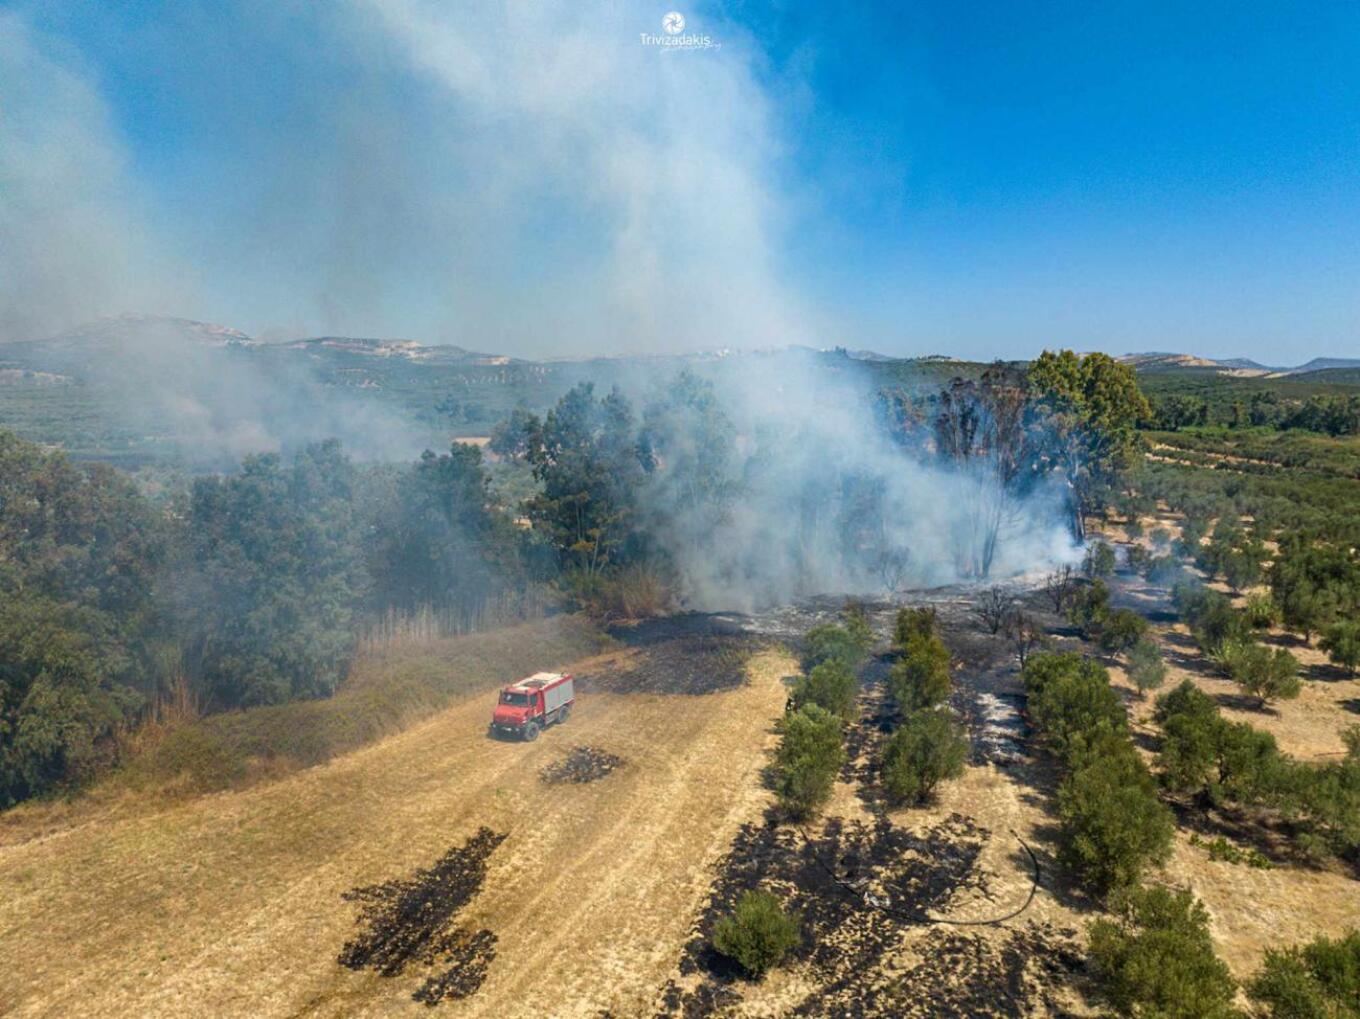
(533, 704)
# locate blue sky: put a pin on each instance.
(984, 179)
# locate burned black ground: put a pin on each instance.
(690, 665)
(582, 764)
(411, 920)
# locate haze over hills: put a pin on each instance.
(1164, 361)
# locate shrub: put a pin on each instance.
(928, 749)
(849, 645)
(1341, 641)
(1088, 609)
(1099, 561)
(921, 678)
(1154, 957)
(1147, 671)
(1113, 824)
(1263, 673)
(1138, 559)
(1122, 630)
(913, 623)
(1320, 980)
(758, 933)
(807, 761)
(1260, 612)
(830, 685)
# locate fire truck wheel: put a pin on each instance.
(564, 714)
(531, 732)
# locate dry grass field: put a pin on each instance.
(230, 904)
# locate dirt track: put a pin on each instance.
(231, 904)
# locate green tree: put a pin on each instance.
(809, 757)
(587, 457)
(758, 934)
(1147, 671)
(1123, 629)
(272, 578)
(847, 644)
(1069, 698)
(1089, 608)
(920, 622)
(1092, 406)
(1263, 673)
(1154, 957)
(80, 628)
(442, 544)
(1113, 825)
(1099, 562)
(927, 749)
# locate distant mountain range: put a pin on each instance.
(114, 332)
(1162, 360)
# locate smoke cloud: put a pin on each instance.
(823, 501)
(71, 244)
(522, 178)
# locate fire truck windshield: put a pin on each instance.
(517, 699)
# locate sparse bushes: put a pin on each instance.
(926, 750)
(1154, 958)
(1320, 980)
(1147, 671)
(1026, 635)
(758, 934)
(807, 761)
(1113, 825)
(1203, 753)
